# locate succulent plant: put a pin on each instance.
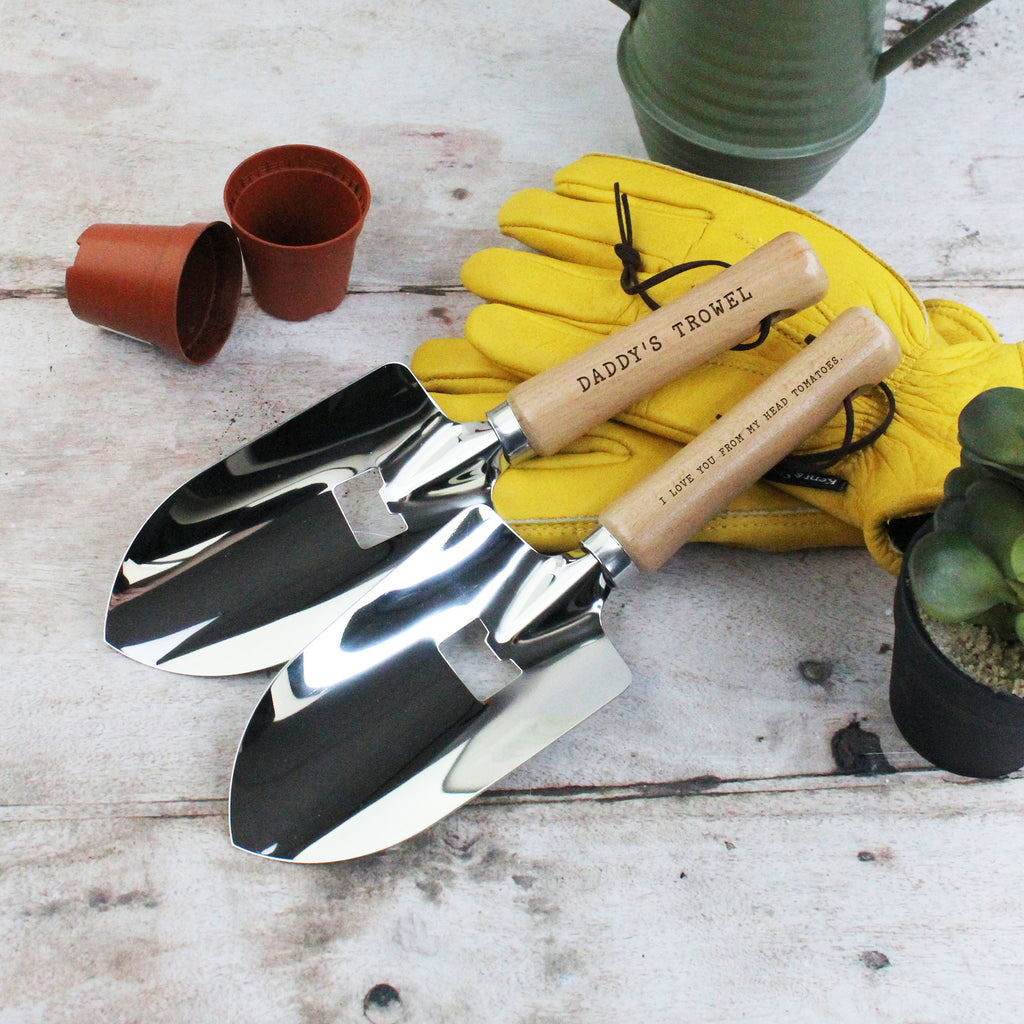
(970, 567)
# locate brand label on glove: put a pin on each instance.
(686, 325)
(797, 477)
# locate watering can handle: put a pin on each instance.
(927, 32)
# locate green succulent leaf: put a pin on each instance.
(992, 426)
(953, 579)
(1017, 559)
(951, 516)
(992, 515)
(957, 481)
(971, 469)
(971, 566)
(995, 470)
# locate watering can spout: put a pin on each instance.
(927, 32)
(631, 7)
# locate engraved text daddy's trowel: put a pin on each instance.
(476, 651)
(239, 568)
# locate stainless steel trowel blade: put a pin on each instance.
(239, 567)
(334, 766)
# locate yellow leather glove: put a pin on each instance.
(553, 502)
(545, 305)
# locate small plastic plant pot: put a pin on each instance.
(952, 720)
(298, 211)
(173, 287)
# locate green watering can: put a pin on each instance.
(766, 93)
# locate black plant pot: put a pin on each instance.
(950, 719)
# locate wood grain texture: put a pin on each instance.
(661, 513)
(555, 407)
(804, 905)
(696, 852)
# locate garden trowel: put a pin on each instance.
(476, 651)
(239, 568)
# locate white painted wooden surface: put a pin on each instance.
(690, 854)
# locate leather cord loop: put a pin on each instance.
(805, 469)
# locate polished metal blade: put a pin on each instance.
(519, 722)
(393, 705)
(244, 564)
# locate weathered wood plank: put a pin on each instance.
(875, 904)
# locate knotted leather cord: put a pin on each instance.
(807, 470)
(632, 263)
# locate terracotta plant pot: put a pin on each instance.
(173, 287)
(298, 211)
(950, 719)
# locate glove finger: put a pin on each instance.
(526, 343)
(582, 294)
(952, 322)
(758, 519)
(455, 367)
(578, 235)
(750, 215)
(587, 232)
(590, 298)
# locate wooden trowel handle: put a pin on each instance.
(660, 514)
(562, 403)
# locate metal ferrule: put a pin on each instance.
(617, 565)
(509, 433)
